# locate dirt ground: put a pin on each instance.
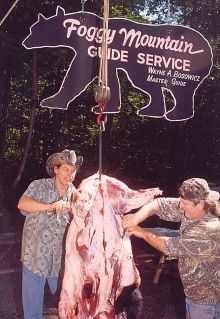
(164, 300)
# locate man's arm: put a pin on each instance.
(31, 205)
(143, 213)
(151, 238)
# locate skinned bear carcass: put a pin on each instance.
(99, 265)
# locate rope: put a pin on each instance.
(83, 5)
(102, 92)
(9, 11)
(103, 70)
(168, 11)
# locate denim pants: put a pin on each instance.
(196, 311)
(33, 293)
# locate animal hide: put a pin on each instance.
(99, 262)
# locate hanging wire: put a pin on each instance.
(101, 124)
(100, 153)
(9, 11)
(102, 92)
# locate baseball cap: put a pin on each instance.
(196, 189)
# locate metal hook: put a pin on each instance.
(100, 122)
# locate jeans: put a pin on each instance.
(33, 293)
(196, 311)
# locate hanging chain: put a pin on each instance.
(9, 11)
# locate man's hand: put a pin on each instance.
(129, 220)
(60, 206)
(136, 231)
(143, 213)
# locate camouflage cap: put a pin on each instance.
(65, 157)
(196, 189)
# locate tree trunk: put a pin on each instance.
(31, 125)
(4, 106)
(6, 85)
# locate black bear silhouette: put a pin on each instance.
(154, 57)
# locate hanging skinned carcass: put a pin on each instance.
(100, 273)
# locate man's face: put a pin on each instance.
(65, 173)
(192, 210)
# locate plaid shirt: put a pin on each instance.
(44, 233)
(198, 252)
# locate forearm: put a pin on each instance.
(151, 238)
(143, 213)
(30, 205)
(146, 211)
(154, 240)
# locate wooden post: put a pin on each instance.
(159, 268)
